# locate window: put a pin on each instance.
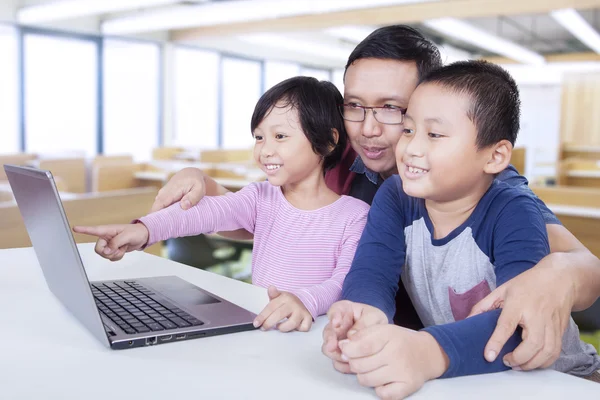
(276, 71)
(60, 94)
(196, 98)
(131, 97)
(338, 79)
(9, 95)
(240, 90)
(320, 74)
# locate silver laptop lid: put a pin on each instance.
(42, 211)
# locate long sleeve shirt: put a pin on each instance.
(307, 253)
(445, 277)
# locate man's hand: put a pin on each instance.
(284, 305)
(116, 240)
(395, 361)
(344, 317)
(186, 186)
(540, 301)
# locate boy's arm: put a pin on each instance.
(375, 272)
(318, 298)
(212, 214)
(519, 243)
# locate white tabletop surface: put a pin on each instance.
(46, 354)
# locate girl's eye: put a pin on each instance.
(280, 136)
(407, 131)
(257, 137)
(435, 135)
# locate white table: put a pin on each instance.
(63, 361)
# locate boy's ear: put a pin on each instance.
(499, 157)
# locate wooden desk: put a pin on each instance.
(159, 179)
(578, 209)
(65, 362)
(117, 207)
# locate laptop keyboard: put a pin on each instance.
(135, 309)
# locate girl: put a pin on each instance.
(305, 235)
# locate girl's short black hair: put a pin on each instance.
(317, 105)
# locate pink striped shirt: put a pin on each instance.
(307, 253)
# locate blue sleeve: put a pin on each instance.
(512, 177)
(519, 242)
(375, 271)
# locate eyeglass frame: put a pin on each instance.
(365, 108)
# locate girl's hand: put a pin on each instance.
(284, 305)
(116, 240)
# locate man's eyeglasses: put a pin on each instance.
(388, 114)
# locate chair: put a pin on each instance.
(205, 251)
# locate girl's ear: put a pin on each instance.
(336, 138)
(499, 157)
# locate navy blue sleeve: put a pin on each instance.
(512, 177)
(519, 242)
(375, 272)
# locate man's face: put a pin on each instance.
(375, 83)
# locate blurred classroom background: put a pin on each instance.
(114, 96)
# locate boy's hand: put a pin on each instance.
(116, 240)
(284, 305)
(344, 317)
(394, 360)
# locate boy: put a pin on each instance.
(452, 232)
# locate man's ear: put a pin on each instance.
(499, 159)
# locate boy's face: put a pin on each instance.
(374, 83)
(437, 156)
(282, 150)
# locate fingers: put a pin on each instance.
(368, 316)
(396, 390)
(377, 377)
(293, 322)
(492, 301)
(342, 367)
(533, 342)
(330, 344)
(364, 343)
(193, 197)
(98, 231)
(167, 196)
(506, 326)
(101, 246)
(276, 317)
(273, 292)
(266, 313)
(366, 364)
(526, 357)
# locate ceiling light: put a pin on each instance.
(467, 33)
(572, 21)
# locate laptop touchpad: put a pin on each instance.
(181, 291)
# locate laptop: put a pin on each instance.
(121, 314)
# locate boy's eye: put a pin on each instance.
(389, 107)
(354, 105)
(435, 135)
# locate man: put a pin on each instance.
(381, 73)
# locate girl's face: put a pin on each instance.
(282, 150)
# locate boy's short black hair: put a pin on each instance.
(400, 43)
(495, 105)
(317, 105)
